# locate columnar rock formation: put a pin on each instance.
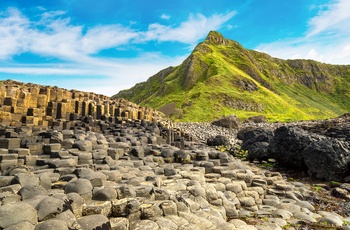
(32, 104)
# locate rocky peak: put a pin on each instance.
(216, 38)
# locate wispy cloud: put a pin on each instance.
(77, 47)
(54, 35)
(188, 32)
(334, 18)
(165, 16)
(327, 38)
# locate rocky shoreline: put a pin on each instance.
(143, 175)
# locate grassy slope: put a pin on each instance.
(215, 73)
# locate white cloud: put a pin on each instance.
(12, 29)
(335, 18)
(102, 37)
(190, 31)
(327, 38)
(53, 35)
(165, 16)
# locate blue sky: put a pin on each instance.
(108, 45)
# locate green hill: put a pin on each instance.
(221, 77)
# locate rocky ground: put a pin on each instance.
(132, 176)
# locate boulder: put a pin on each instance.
(231, 122)
(252, 135)
(288, 144)
(218, 140)
(258, 151)
(327, 159)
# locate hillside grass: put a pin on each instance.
(216, 71)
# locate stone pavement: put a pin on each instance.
(141, 175)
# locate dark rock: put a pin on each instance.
(327, 159)
(218, 140)
(231, 121)
(252, 135)
(341, 193)
(288, 144)
(258, 151)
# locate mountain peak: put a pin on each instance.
(216, 38)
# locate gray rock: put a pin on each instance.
(150, 210)
(52, 224)
(331, 218)
(30, 191)
(126, 192)
(11, 214)
(119, 223)
(76, 203)
(304, 217)
(49, 208)
(145, 225)
(81, 186)
(137, 151)
(21, 226)
(93, 222)
(105, 194)
(231, 122)
(83, 145)
(68, 217)
(26, 179)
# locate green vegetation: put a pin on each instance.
(220, 77)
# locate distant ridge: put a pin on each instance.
(221, 77)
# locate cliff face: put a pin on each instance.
(221, 77)
(38, 105)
